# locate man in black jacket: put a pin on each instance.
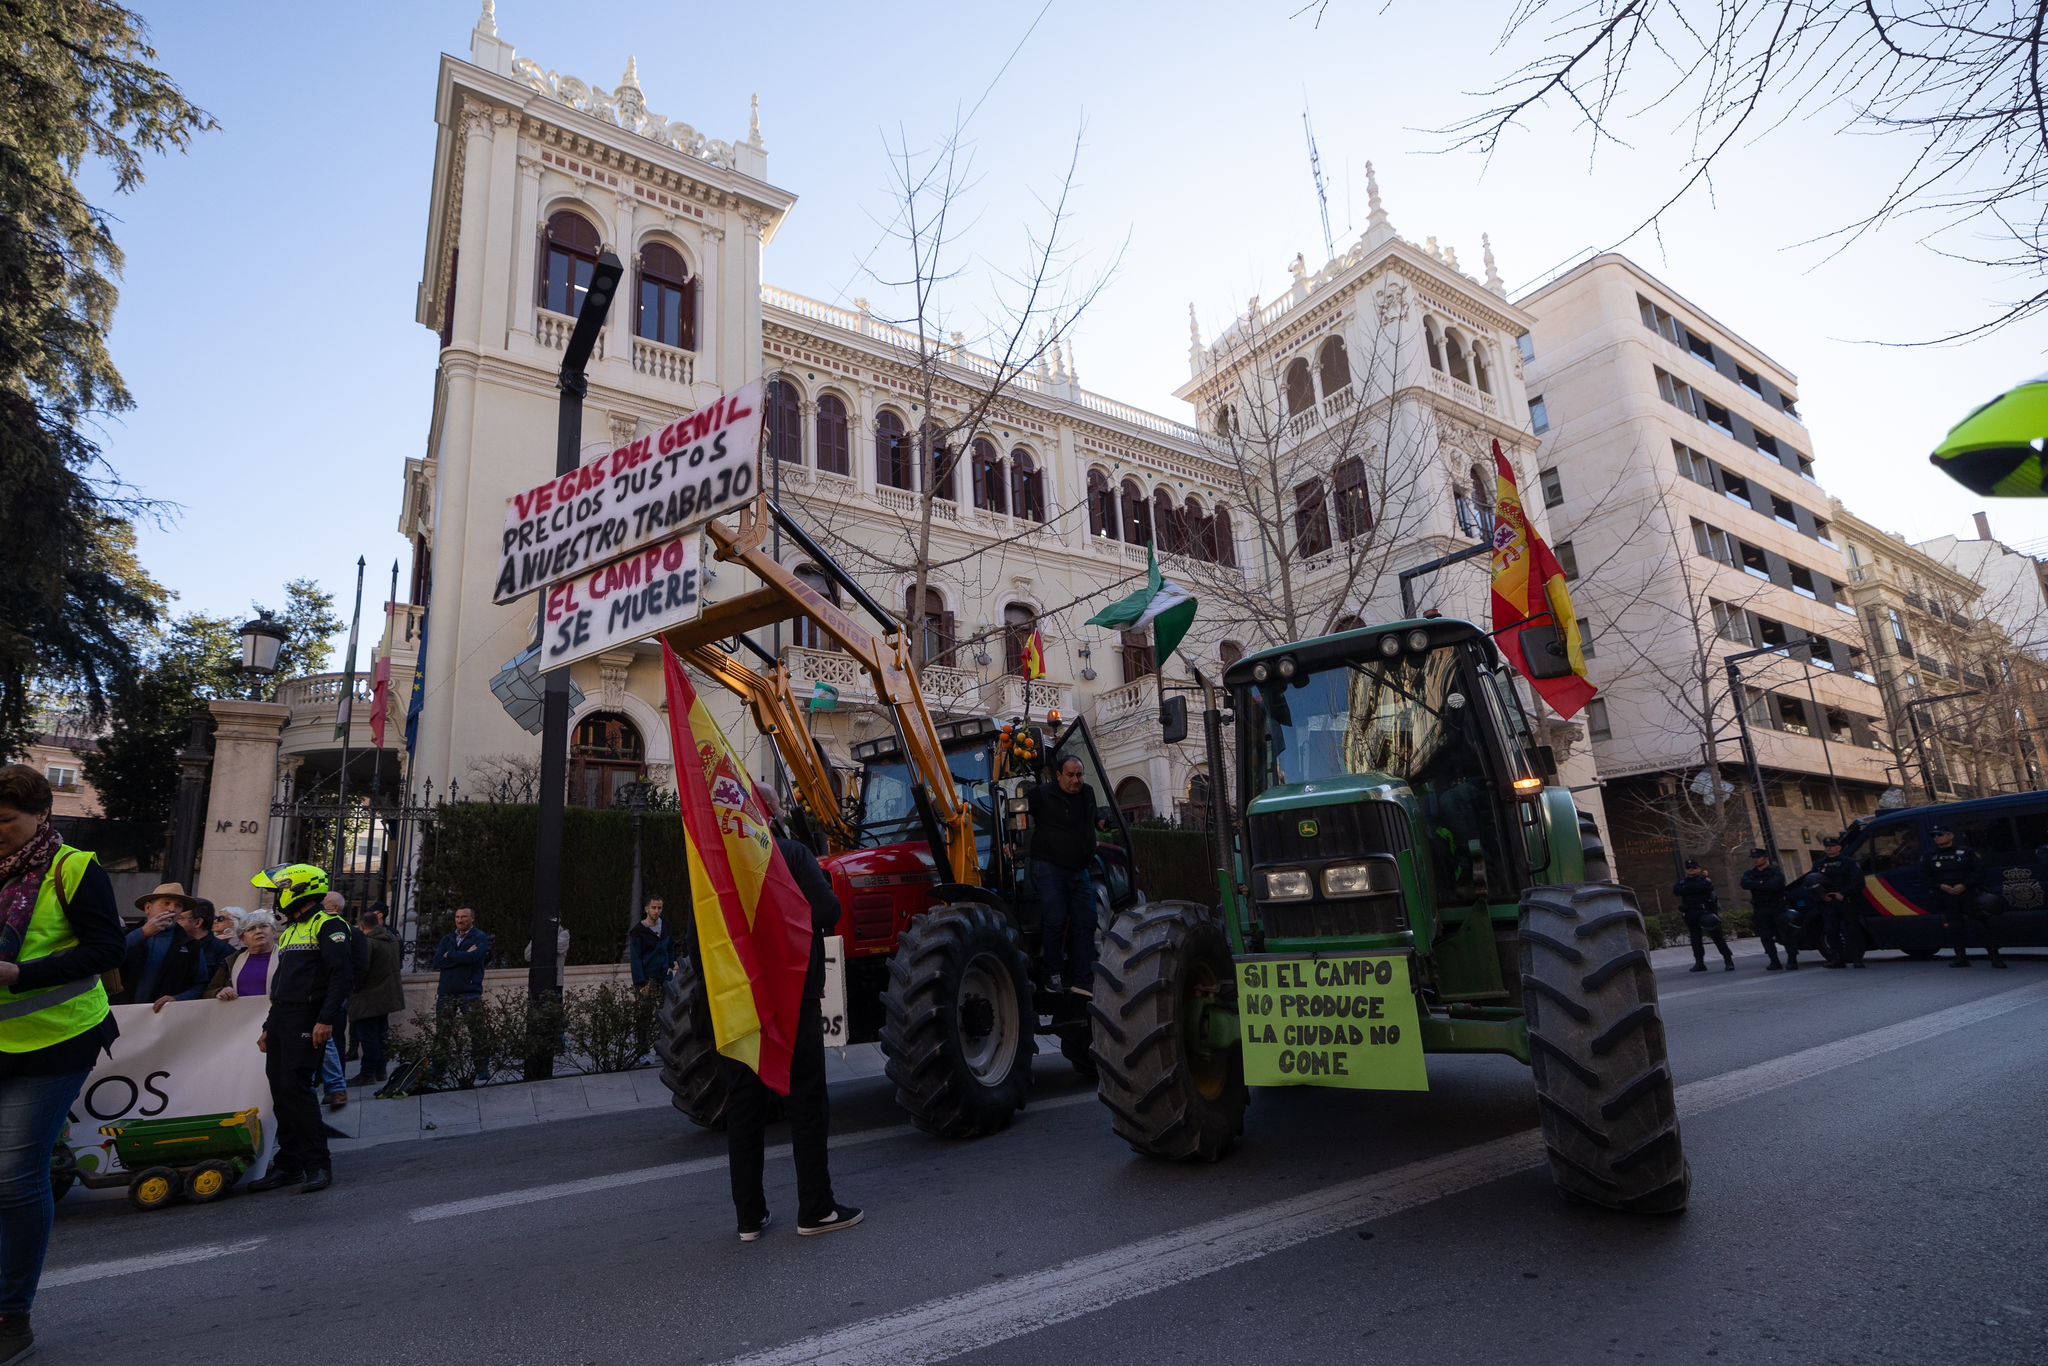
(1955, 875)
(1062, 851)
(1841, 905)
(309, 987)
(1702, 912)
(746, 1120)
(1766, 887)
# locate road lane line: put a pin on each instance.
(129, 1266)
(939, 1329)
(563, 1190)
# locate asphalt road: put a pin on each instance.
(1867, 1148)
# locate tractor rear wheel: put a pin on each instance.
(1594, 849)
(1596, 1044)
(153, 1188)
(1170, 1093)
(690, 1064)
(209, 1180)
(957, 1027)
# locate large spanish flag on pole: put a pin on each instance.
(753, 923)
(1529, 590)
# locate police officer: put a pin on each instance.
(1702, 911)
(1955, 875)
(1766, 887)
(309, 988)
(1841, 905)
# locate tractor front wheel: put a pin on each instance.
(153, 1188)
(690, 1064)
(1173, 1089)
(1596, 1044)
(957, 1026)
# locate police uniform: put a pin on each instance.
(1841, 908)
(309, 985)
(1702, 912)
(1766, 888)
(1957, 865)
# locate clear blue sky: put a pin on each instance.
(266, 319)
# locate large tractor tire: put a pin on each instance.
(956, 1021)
(1169, 1095)
(690, 1065)
(1598, 868)
(1596, 1044)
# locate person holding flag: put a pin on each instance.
(761, 907)
(1529, 592)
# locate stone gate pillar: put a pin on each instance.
(236, 838)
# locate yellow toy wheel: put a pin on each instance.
(209, 1181)
(153, 1188)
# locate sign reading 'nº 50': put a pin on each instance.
(648, 490)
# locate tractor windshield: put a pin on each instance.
(1386, 716)
(888, 813)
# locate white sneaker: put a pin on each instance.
(753, 1235)
(842, 1216)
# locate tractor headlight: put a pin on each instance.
(1360, 879)
(1287, 667)
(1390, 645)
(1018, 806)
(1260, 673)
(1418, 640)
(1288, 884)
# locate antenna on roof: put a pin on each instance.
(1315, 170)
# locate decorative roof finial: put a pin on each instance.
(1493, 280)
(1451, 257)
(1073, 364)
(1435, 252)
(754, 124)
(1194, 327)
(1376, 216)
(1043, 371)
(487, 22)
(631, 80)
(1059, 366)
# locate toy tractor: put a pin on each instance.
(1404, 882)
(198, 1156)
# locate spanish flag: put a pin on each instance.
(753, 923)
(1034, 656)
(1529, 590)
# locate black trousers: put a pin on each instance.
(746, 1121)
(373, 1032)
(1841, 931)
(1965, 912)
(290, 1064)
(1764, 919)
(1694, 922)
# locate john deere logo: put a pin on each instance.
(1309, 829)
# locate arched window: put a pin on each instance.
(1482, 494)
(1354, 499)
(1166, 524)
(989, 489)
(1482, 375)
(1335, 363)
(1137, 521)
(784, 415)
(1019, 621)
(1226, 541)
(1430, 339)
(605, 755)
(1136, 649)
(893, 467)
(932, 629)
(566, 267)
(1200, 530)
(1027, 486)
(1229, 652)
(1301, 387)
(940, 464)
(1454, 357)
(1226, 420)
(805, 633)
(668, 298)
(1311, 518)
(1134, 799)
(835, 439)
(1102, 518)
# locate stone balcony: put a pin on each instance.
(316, 699)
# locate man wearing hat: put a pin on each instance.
(1766, 887)
(1841, 905)
(148, 951)
(1956, 875)
(1702, 912)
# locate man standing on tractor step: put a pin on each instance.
(1766, 887)
(1956, 874)
(1062, 848)
(1702, 912)
(1841, 905)
(309, 989)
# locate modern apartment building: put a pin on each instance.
(1681, 485)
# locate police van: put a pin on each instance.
(2009, 833)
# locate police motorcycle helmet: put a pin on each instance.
(1998, 449)
(299, 886)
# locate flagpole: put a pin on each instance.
(380, 724)
(346, 714)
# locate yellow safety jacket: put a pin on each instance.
(50, 1015)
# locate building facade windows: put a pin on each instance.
(668, 298)
(782, 412)
(1597, 726)
(893, 465)
(835, 437)
(1354, 499)
(1027, 486)
(1539, 415)
(568, 263)
(991, 487)
(1311, 519)
(1553, 487)
(1335, 364)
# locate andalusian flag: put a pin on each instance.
(753, 923)
(1034, 656)
(1529, 583)
(1167, 608)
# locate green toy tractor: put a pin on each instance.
(1404, 881)
(199, 1157)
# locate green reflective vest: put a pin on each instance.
(38, 1019)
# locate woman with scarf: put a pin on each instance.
(59, 930)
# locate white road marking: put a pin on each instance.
(1013, 1307)
(1720, 988)
(563, 1190)
(129, 1266)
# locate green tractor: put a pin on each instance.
(1405, 881)
(199, 1157)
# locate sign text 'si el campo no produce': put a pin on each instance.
(648, 490)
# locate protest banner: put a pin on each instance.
(649, 490)
(191, 1058)
(1334, 1019)
(621, 601)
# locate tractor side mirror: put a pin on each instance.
(1546, 760)
(1543, 649)
(1173, 719)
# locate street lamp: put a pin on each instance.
(262, 640)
